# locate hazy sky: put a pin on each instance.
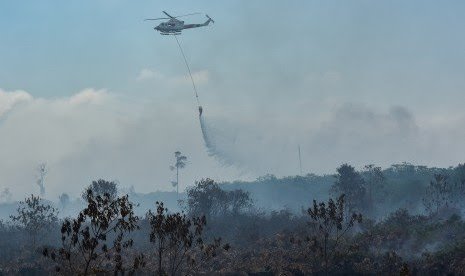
(92, 90)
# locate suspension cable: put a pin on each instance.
(189, 70)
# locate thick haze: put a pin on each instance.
(92, 90)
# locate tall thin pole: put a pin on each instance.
(177, 180)
(300, 161)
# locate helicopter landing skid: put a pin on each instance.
(177, 33)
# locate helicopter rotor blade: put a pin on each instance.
(168, 14)
(187, 14)
(161, 18)
(171, 17)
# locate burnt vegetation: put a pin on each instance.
(403, 220)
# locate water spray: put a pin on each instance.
(214, 147)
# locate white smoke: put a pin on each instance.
(10, 99)
(97, 134)
(351, 133)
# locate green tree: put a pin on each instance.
(100, 188)
(459, 172)
(180, 163)
(374, 183)
(439, 194)
(207, 198)
(238, 200)
(350, 183)
(459, 185)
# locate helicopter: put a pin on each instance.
(174, 26)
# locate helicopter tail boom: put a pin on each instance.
(189, 26)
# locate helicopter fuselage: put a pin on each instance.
(174, 26)
(171, 26)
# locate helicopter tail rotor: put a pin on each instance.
(209, 18)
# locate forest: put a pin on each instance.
(401, 220)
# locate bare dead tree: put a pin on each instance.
(180, 163)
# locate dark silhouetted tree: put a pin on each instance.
(330, 226)
(204, 198)
(459, 172)
(207, 198)
(100, 188)
(238, 201)
(35, 217)
(98, 234)
(178, 240)
(459, 185)
(439, 194)
(374, 183)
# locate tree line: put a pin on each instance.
(222, 230)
